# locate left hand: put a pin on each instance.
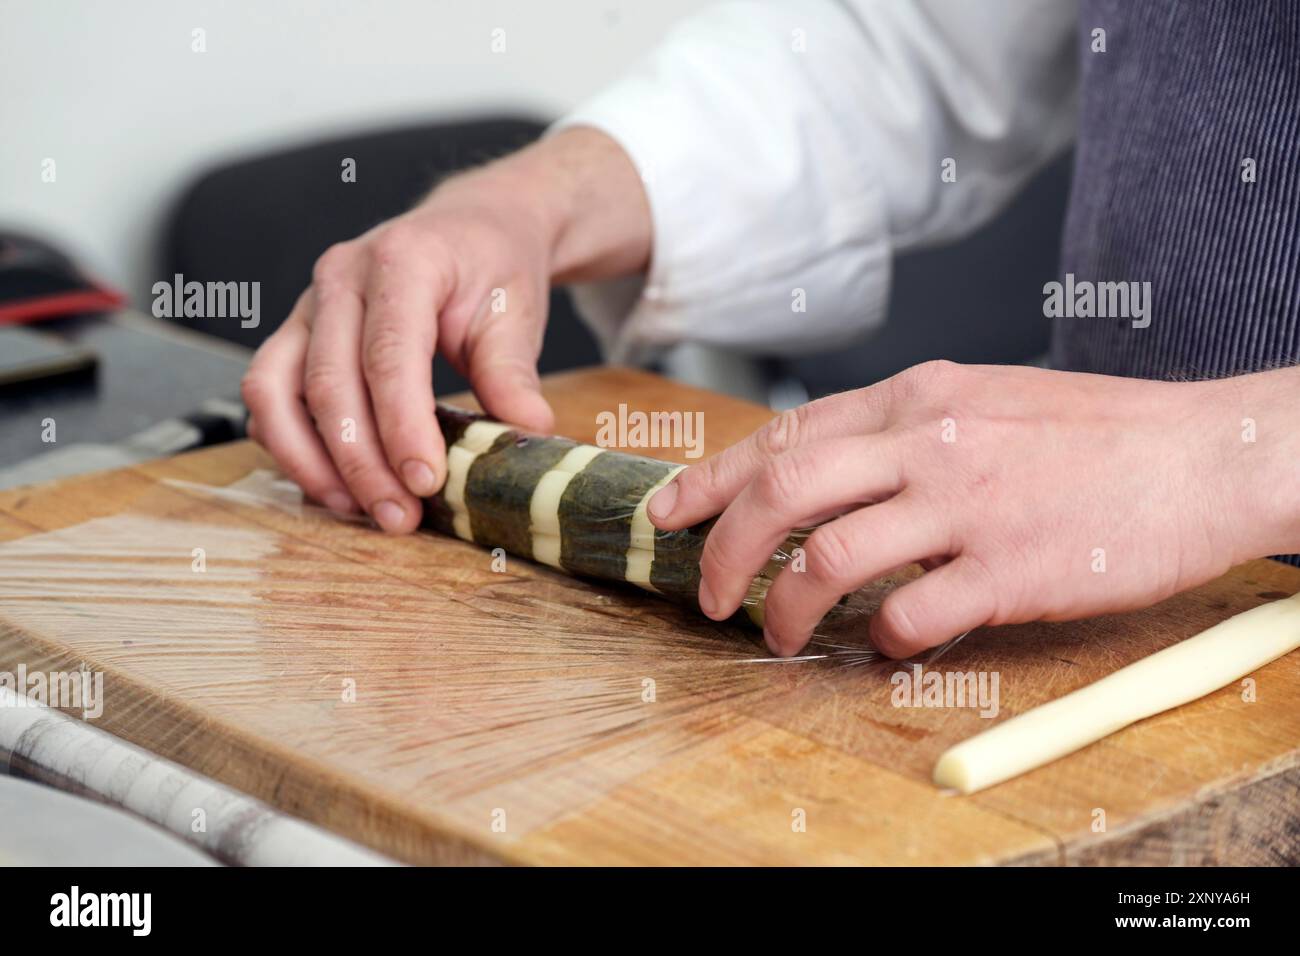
(1029, 494)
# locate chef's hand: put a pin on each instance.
(341, 395)
(1030, 495)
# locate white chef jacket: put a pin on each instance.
(790, 147)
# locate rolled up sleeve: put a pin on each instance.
(789, 149)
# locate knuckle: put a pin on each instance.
(698, 479)
(782, 433)
(705, 483)
(384, 351)
(830, 556)
(392, 245)
(332, 264)
(319, 384)
(417, 250)
(937, 369)
(437, 259)
(254, 389)
(928, 378)
(781, 481)
(330, 292)
(353, 469)
(717, 552)
(983, 579)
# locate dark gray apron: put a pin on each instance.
(1184, 95)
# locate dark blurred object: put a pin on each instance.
(267, 219)
(978, 300)
(214, 422)
(28, 358)
(39, 282)
(149, 371)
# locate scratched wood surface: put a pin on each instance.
(404, 693)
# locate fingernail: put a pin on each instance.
(661, 505)
(339, 501)
(418, 477)
(389, 514)
(708, 603)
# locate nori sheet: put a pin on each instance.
(675, 572)
(596, 512)
(452, 421)
(500, 486)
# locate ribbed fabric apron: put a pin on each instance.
(1185, 93)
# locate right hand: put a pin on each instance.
(341, 394)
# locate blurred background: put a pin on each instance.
(132, 116)
(224, 165)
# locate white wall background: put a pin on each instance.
(113, 93)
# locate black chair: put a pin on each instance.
(268, 218)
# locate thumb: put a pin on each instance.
(502, 360)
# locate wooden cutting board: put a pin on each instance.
(404, 693)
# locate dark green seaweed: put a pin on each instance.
(596, 512)
(675, 572)
(452, 421)
(500, 487)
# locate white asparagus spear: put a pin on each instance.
(1176, 675)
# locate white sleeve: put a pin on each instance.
(790, 148)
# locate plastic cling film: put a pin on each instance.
(841, 633)
(582, 509)
(252, 638)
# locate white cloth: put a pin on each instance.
(790, 147)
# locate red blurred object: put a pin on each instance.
(39, 282)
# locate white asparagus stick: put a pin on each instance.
(544, 506)
(53, 748)
(1176, 675)
(477, 439)
(641, 551)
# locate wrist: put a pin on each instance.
(576, 193)
(1261, 459)
(591, 201)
